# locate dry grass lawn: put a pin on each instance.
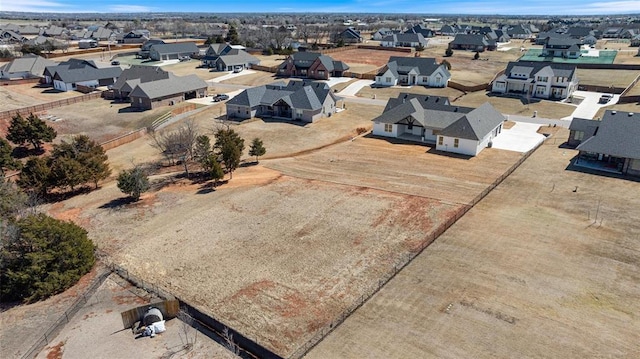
(616, 78)
(255, 79)
(514, 106)
(19, 96)
(385, 93)
(628, 107)
(526, 271)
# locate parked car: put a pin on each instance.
(115, 62)
(605, 98)
(184, 58)
(237, 69)
(220, 97)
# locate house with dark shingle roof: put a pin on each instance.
(172, 51)
(298, 100)
(135, 75)
(423, 71)
(68, 75)
(419, 29)
(349, 36)
(433, 120)
(167, 92)
(545, 80)
(472, 42)
(225, 57)
(312, 65)
(614, 145)
(27, 66)
(581, 129)
(561, 47)
(11, 37)
(404, 40)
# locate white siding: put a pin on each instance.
(465, 147)
(378, 130)
(382, 80)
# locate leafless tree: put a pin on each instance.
(188, 334)
(178, 144)
(229, 343)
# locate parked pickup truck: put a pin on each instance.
(220, 97)
(605, 98)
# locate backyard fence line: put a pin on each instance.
(25, 111)
(123, 139)
(66, 317)
(405, 260)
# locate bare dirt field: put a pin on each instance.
(18, 96)
(376, 58)
(385, 93)
(529, 270)
(345, 208)
(256, 79)
(616, 78)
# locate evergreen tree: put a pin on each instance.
(36, 175)
(6, 161)
(257, 148)
(133, 182)
(31, 130)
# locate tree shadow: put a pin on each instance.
(249, 164)
(130, 109)
(117, 203)
(21, 152)
(52, 90)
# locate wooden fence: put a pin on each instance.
(466, 88)
(121, 140)
(382, 48)
(25, 111)
(33, 80)
(272, 69)
(338, 49)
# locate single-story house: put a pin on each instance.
(87, 43)
(298, 100)
(635, 41)
(28, 66)
(173, 51)
(66, 76)
(404, 40)
(545, 80)
(614, 145)
(144, 49)
(135, 75)
(383, 32)
(349, 36)
(433, 120)
(449, 30)
(419, 29)
(581, 129)
(133, 37)
(311, 65)
(225, 57)
(11, 37)
(413, 71)
(167, 92)
(472, 42)
(612, 32)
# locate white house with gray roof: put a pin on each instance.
(433, 120)
(424, 71)
(173, 51)
(298, 100)
(544, 80)
(404, 40)
(224, 57)
(67, 75)
(614, 145)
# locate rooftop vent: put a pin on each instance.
(630, 114)
(613, 112)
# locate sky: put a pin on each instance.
(500, 7)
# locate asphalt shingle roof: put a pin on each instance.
(28, 63)
(170, 86)
(616, 136)
(307, 95)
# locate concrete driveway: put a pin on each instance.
(353, 89)
(231, 75)
(337, 80)
(522, 137)
(589, 106)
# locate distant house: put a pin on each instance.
(298, 100)
(87, 44)
(173, 51)
(413, 71)
(537, 79)
(101, 34)
(568, 48)
(614, 145)
(432, 119)
(135, 75)
(419, 29)
(28, 66)
(349, 36)
(27, 30)
(612, 33)
(54, 31)
(449, 30)
(167, 92)
(472, 42)
(66, 76)
(635, 41)
(311, 65)
(224, 57)
(144, 49)
(581, 129)
(519, 32)
(404, 40)
(11, 37)
(383, 32)
(133, 37)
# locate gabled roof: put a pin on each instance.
(533, 67)
(475, 124)
(350, 33)
(424, 66)
(33, 64)
(173, 48)
(426, 101)
(218, 49)
(587, 126)
(470, 39)
(87, 73)
(616, 136)
(238, 57)
(305, 95)
(304, 60)
(406, 38)
(140, 73)
(170, 86)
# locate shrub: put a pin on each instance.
(360, 130)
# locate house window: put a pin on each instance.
(388, 127)
(387, 79)
(440, 140)
(456, 142)
(425, 79)
(578, 136)
(321, 72)
(299, 112)
(543, 79)
(540, 90)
